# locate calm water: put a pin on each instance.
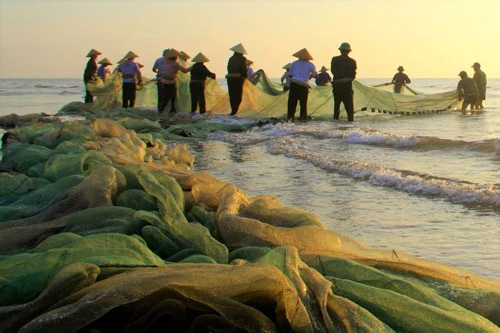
(427, 185)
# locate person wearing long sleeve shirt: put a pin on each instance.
(168, 67)
(131, 75)
(344, 72)
(199, 74)
(301, 71)
(237, 72)
(90, 73)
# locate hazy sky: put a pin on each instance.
(430, 38)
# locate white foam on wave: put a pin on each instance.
(359, 136)
(379, 175)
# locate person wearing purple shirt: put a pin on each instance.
(131, 75)
(301, 71)
(102, 71)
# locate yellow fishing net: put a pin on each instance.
(263, 98)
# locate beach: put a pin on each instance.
(418, 187)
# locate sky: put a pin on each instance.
(430, 38)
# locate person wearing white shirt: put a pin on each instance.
(301, 71)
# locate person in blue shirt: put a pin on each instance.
(131, 76)
(323, 78)
(103, 70)
(285, 78)
(301, 71)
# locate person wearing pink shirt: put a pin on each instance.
(168, 67)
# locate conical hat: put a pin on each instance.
(287, 66)
(239, 49)
(105, 61)
(200, 57)
(249, 62)
(140, 65)
(184, 56)
(303, 55)
(172, 53)
(323, 69)
(131, 55)
(93, 52)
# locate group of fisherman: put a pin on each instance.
(295, 80)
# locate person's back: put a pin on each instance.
(237, 65)
(343, 68)
(467, 87)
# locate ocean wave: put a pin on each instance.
(427, 185)
(57, 86)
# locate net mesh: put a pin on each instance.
(263, 98)
(104, 226)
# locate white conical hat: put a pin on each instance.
(93, 52)
(287, 66)
(249, 62)
(140, 65)
(184, 56)
(105, 61)
(172, 53)
(239, 49)
(200, 57)
(131, 55)
(303, 54)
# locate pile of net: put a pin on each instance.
(108, 229)
(263, 98)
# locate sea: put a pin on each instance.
(425, 184)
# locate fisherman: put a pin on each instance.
(467, 90)
(103, 71)
(237, 72)
(90, 73)
(480, 78)
(199, 73)
(399, 80)
(131, 76)
(323, 78)
(168, 67)
(301, 72)
(344, 72)
(285, 78)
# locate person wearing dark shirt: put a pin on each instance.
(199, 73)
(399, 80)
(323, 78)
(480, 78)
(236, 74)
(344, 72)
(90, 73)
(467, 90)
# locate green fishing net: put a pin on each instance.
(104, 226)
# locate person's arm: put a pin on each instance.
(184, 69)
(408, 79)
(155, 67)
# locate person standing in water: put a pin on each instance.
(344, 72)
(467, 90)
(131, 76)
(399, 80)
(237, 72)
(199, 73)
(480, 78)
(301, 71)
(90, 73)
(323, 78)
(167, 78)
